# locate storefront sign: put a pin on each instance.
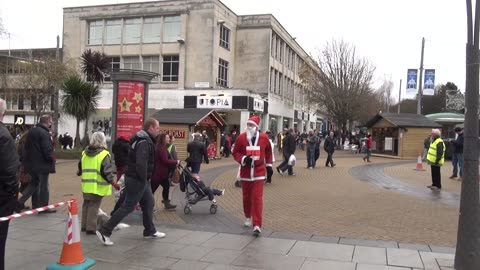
(258, 105)
(202, 85)
(130, 108)
(19, 120)
(178, 134)
(214, 102)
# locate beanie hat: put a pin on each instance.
(254, 120)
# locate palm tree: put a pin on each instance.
(94, 65)
(79, 100)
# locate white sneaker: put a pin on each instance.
(256, 230)
(223, 192)
(155, 235)
(248, 222)
(214, 201)
(104, 239)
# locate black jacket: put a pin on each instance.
(120, 152)
(329, 145)
(458, 143)
(197, 152)
(38, 152)
(141, 157)
(9, 161)
(289, 145)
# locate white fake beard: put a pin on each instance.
(250, 133)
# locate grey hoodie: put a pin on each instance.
(106, 169)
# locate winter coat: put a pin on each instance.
(10, 162)
(257, 170)
(106, 169)
(458, 143)
(141, 157)
(38, 153)
(164, 163)
(120, 152)
(197, 152)
(289, 145)
(329, 145)
(312, 141)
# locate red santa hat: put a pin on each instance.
(254, 120)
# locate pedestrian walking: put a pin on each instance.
(164, 164)
(311, 143)
(270, 172)
(436, 158)
(457, 157)
(289, 148)
(8, 179)
(137, 183)
(329, 147)
(197, 152)
(120, 149)
(96, 170)
(39, 162)
(317, 146)
(368, 148)
(253, 151)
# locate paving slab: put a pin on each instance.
(100, 265)
(192, 253)
(228, 267)
(189, 265)
(195, 238)
(419, 247)
(325, 251)
(268, 261)
(361, 266)
(404, 258)
(290, 235)
(446, 262)
(440, 249)
(146, 260)
(271, 245)
(325, 239)
(315, 264)
(370, 255)
(368, 243)
(228, 241)
(221, 256)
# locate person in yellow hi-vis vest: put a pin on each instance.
(96, 171)
(436, 158)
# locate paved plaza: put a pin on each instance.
(354, 216)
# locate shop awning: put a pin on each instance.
(190, 116)
(404, 120)
(444, 118)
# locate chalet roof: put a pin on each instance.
(404, 120)
(190, 116)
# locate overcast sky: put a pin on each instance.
(387, 32)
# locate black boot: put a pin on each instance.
(168, 206)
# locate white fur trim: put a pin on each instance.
(252, 122)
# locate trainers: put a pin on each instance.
(155, 235)
(104, 239)
(223, 192)
(430, 186)
(256, 230)
(453, 176)
(279, 171)
(214, 201)
(248, 222)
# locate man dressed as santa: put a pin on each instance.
(254, 153)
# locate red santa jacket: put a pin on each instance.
(257, 170)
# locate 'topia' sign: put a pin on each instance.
(214, 102)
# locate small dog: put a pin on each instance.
(102, 218)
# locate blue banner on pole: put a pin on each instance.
(412, 79)
(429, 83)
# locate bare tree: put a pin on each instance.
(343, 85)
(385, 91)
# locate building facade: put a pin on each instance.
(206, 57)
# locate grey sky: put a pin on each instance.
(387, 32)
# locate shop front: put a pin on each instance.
(182, 123)
(399, 135)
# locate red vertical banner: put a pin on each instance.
(130, 108)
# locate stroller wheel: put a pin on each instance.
(187, 209)
(213, 209)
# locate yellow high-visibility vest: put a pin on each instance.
(92, 180)
(432, 152)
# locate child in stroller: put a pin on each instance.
(196, 190)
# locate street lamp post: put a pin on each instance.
(467, 256)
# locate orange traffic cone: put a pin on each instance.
(72, 254)
(419, 163)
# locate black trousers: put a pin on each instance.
(211, 192)
(7, 205)
(436, 176)
(284, 165)
(165, 186)
(329, 159)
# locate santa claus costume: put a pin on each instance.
(253, 152)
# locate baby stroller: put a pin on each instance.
(193, 193)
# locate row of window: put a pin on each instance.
(281, 85)
(283, 53)
(27, 102)
(134, 30)
(169, 65)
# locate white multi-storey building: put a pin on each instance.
(206, 55)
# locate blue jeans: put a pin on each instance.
(457, 160)
(135, 191)
(195, 166)
(37, 189)
(311, 157)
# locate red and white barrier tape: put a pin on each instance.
(34, 211)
